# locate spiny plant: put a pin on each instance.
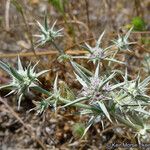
(102, 96)
(23, 79)
(47, 34)
(122, 42)
(98, 53)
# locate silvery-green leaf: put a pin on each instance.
(76, 101)
(96, 75)
(42, 28)
(114, 60)
(35, 65)
(52, 28)
(86, 111)
(81, 57)
(11, 92)
(16, 74)
(109, 47)
(119, 85)
(142, 111)
(145, 82)
(58, 32)
(6, 86)
(33, 85)
(104, 109)
(99, 39)
(55, 89)
(42, 72)
(128, 33)
(5, 67)
(144, 98)
(45, 23)
(85, 47)
(19, 101)
(80, 72)
(84, 69)
(81, 81)
(131, 121)
(90, 123)
(20, 67)
(106, 80)
(89, 48)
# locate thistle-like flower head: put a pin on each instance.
(48, 34)
(136, 88)
(93, 86)
(96, 52)
(22, 78)
(122, 41)
(40, 107)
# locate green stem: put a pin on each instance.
(65, 101)
(41, 90)
(60, 50)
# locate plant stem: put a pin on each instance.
(41, 90)
(60, 50)
(65, 101)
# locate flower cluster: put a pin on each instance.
(135, 88)
(122, 42)
(22, 79)
(47, 34)
(102, 94)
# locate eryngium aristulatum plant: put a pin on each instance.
(136, 88)
(96, 90)
(132, 95)
(94, 87)
(48, 34)
(22, 79)
(122, 42)
(98, 53)
(132, 102)
(43, 105)
(110, 99)
(138, 122)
